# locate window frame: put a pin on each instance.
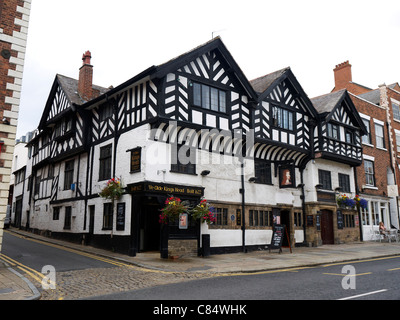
(331, 129)
(280, 121)
(322, 178)
(56, 213)
(177, 166)
(68, 218)
(380, 138)
(344, 182)
(69, 174)
(203, 97)
(105, 162)
(396, 110)
(367, 125)
(108, 216)
(221, 215)
(263, 171)
(369, 174)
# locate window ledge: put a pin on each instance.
(370, 187)
(192, 174)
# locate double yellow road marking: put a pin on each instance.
(92, 256)
(31, 272)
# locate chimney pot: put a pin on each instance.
(85, 84)
(343, 75)
(87, 56)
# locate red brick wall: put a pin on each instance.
(382, 158)
(395, 94)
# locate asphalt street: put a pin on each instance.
(376, 279)
(83, 275)
(36, 255)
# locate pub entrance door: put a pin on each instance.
(327, 227)
(285, 219)
(149, 225)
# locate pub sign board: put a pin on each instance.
(287, 176)
(169, 189)
(136, 160)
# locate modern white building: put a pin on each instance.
(195, 128)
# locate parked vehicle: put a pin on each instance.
(7, 221)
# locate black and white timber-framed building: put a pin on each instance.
(255, 150)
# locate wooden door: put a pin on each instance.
(327, 227)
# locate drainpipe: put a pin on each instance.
(243, 209)
(358, 209)
(303, 204)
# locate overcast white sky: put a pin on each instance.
(128, 36)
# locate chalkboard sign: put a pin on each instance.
(277, 237)
(120, 216)
(339, 219)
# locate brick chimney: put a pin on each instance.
(85, 89)
(342, 75)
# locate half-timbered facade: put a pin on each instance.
(331, 174)
(193, 127)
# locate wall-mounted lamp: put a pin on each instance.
(318, 186)
(205, 173)
(301, 185)
(5, 121)
(253, 179)
(161, 171)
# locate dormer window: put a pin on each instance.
(333, 131)
(282, 118)
(209, 98)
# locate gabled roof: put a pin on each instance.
(326, 106)
(69, 86)
(156, 72)
(214, 44)
(261, 84)
(326, 103)
(265, 84)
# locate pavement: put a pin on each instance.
(14, 286)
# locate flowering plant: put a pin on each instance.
(345, 201)
(173, 208)
(204, 212)
(361, 202)
(113, 190)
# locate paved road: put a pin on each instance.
(80, 275)
(378, 279)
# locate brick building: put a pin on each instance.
(378, 177)
(14, 21)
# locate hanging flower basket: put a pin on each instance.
(173, 208)
(204, 212)
(113, 190)
(346, 202)
(361, 203)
